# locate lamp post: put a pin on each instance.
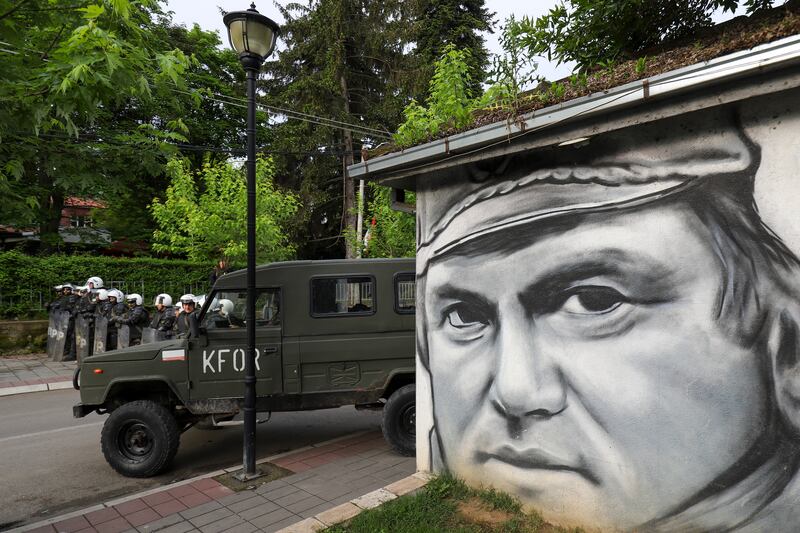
(252, 36)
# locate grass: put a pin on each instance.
(447, 504)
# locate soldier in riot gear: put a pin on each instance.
(136, 318)
(94, 283)
(69, 303)
(164, 318)
(84, 321)
(186, 324)
(115, 308)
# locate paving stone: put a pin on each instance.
(183, 526)
(280, 492)
(305, 504)
(314, 511)
(309, 525)
(72, 524)
(87, 530)
(200, 509)
(213, 516)
(278, 515)
(294, 497)
(244, 527)
(253, 501)
(277, 526)
(113, 526)
(262, 509)
(374, 499)
(236, 497)
(131, 506)
(102, 515)
(195, 500)
(340, 513)
(222, 525)
(170, 507)
(162, 523)
(271, 486)
(139, 518)
(297, 477)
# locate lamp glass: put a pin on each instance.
(251, 36)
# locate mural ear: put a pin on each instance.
(783, 346)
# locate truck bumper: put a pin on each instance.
(80, 410)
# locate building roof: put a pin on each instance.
(89, 203)
(760, 47)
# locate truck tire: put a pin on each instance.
(140, 439)
(399, 420)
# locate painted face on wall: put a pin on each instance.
(594, 379)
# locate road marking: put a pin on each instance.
(50, 431)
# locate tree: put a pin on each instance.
(207, 221)
(344, 60)
(69, 73)
(455, 23)
(391, 233)
(591, 32)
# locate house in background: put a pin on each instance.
(76, 226)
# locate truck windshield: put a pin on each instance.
(228, 309)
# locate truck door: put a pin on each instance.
(217, 356)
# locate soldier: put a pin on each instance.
(86, 309)
(94, 283)
(69, 303)
(186, 323)
(164, 318)
(115, 308)
(52, 305)
(135, 318)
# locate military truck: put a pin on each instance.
(328, 334)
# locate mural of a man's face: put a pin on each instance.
(594, 378)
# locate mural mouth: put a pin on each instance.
(534, 459)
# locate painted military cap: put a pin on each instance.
(627, 168)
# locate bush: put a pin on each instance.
(26, 281)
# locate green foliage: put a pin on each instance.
(450, 102)
(23, 277)
(207, 220)
(72, 80)
(439, 24)
(641, 65)
(512, 71)
(394, 232)
(436, 508)
(593, 31)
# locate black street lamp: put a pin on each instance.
(253, 37)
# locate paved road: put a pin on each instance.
(51, 463)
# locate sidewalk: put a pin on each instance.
(332, 481)
(33, 373)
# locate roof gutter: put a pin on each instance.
(774, 55)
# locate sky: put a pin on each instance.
(206, 13)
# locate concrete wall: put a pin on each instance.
(23, 335)
(610, 329)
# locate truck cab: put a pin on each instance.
(328, 334)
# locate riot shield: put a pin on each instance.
(100, 334)
(123, 336)
(52, 333)
(61, 327)
(82, 336)
(152, 335)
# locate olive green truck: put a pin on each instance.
(328, 334)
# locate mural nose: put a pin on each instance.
(527, 384)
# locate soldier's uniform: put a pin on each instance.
(136, 318)
(186, 324)
(164, 320)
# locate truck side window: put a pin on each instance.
(405, 293)
(228, 309)
(342, 296)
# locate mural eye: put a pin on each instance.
(593, 300)
(462, 317)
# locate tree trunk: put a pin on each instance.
(349, 208)
(51, 203)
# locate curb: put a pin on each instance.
(356, 506)
(163, 488)
(56, 384)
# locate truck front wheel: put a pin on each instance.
(140, 438)
(399, 420)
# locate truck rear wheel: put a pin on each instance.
(140, 439)
(399, 420)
